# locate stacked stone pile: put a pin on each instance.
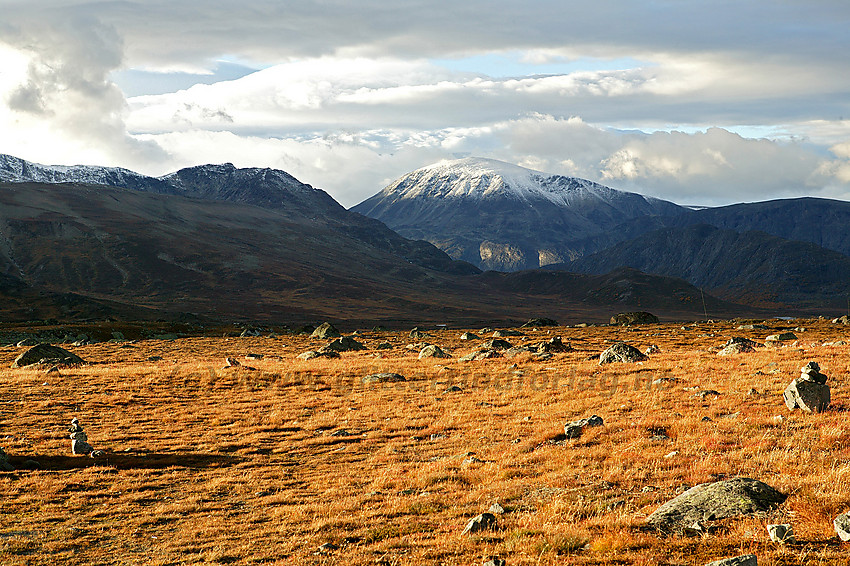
(809, 392)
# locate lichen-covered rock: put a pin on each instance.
(623, 353)
(47, 354)
(715, 501)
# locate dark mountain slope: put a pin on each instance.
(266, 188)
(235, 261)
(752, 266)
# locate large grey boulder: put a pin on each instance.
(47, 354)
(623, 353)
(325, 330)
(629, 318)
(715, 501)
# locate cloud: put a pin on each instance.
(66, 81)
(351, 95)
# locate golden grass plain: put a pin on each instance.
(207, 465)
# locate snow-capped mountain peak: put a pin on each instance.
(480, 178)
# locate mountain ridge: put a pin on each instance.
(479, 211)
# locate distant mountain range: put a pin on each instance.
(256, 244)
(790, 252)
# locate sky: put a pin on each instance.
(695, 101)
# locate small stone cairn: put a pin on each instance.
(808, 392)
(80, 441)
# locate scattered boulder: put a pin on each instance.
(313, 354)
(484, 521)
(715, 501)
(469, 336)
(841, 320)
(781, 533)
(496, 562)
(652, 349)
(324, 331)
(481, 354)
(842, 526)
(554, 344)
(503, 333)
(781, 337)
(576, 428)
(517, 350)
(5, 466)
(808, 392)
(432, 351)
(738, 345)
(47, 354)
(622, 353)
(383, 378)
(743, 560)
(166, 336)
(344, 344)
(384, 346)
(417, 334)
(629, 318)
(496, 344)
(497, 509)
(540, 322)
(752, 327)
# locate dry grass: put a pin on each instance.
(217, 466)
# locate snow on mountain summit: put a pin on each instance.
(474, 178)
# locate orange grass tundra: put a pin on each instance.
(298, 462)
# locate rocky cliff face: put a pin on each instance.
(503, 217)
